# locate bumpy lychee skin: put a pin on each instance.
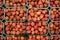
(37, 28)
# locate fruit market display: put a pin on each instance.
(33, 37)
(15, 38)
(29, 19)
(15, 28)
(38, 14)
(1, 13)
(14, 14)
(1, 27)
(15, 3)
(37, 28)
(38, 3)
(55, 27)
(55, 38)
(55, 14)
(55, 3)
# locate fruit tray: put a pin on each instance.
(16, 14)
(29, 19)
(13, 37)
